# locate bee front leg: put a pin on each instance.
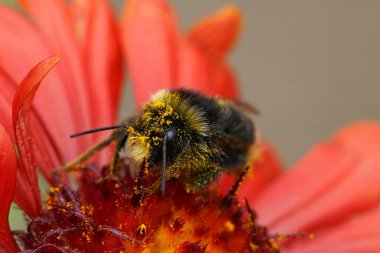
(88, 154)
(120, 145)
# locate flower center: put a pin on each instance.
(120, 213)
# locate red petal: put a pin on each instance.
(6, 95)
(359, 234)
(217, 33)
(363, 138)
(27, 193)
(330, 184)
(310, 178)
(105, 65)
(59, 32)
(51, 157)
(47, 155)
(53, 104)
(199, 73)
(8, 163)
(150, 39)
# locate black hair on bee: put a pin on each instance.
(186, 135)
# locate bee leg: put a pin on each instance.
(227, 200)
(120, 145)
(149, 190)
(202, 179)
(87, 154)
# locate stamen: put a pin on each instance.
(119, 234)
(47, 246)
(60, 231)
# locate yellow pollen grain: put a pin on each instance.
(274, 245)
(54, 189)
(253, 246)
(90, 210)
(156, 140)
(229, 226)
(49, 206)
(142, 229)
(86, 236)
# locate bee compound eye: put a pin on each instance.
(170, 134)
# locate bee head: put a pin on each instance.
(157, 124)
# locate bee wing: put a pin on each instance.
(230, 142)
(245, 107)
(234, 151)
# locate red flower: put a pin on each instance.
(332, 192)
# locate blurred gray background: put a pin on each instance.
(309, 66)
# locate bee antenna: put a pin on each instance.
(95, 130)
(163, 172)
(169, 136)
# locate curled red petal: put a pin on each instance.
(150, 36)
(217, 33)
(27, 191)
(358, 234)
(8, 164)
(59, 32)
(53, 104)
(199, 73)
(49, 156)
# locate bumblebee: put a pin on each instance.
(184, 135)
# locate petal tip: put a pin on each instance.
(217, 33)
